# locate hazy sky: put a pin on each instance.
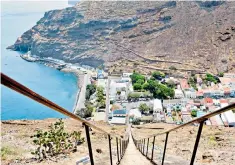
(15, 6)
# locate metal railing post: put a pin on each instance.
(117, 149)
(89, 143)
(164, 152)
(120, 148)
(153, 148)
(143, 145)
(110, 150)
(197, 142)
(147, 147)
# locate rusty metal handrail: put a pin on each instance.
(14, 85)
(141, 142)
(199, 119)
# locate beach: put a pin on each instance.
(83, 81)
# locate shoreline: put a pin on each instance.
(81, 83)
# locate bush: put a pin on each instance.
(90, 90)
(194, 113)
(158, 75)
(137, 76)
(172, 68)
(7, 151)
(136, 121)
(134, 95)
(55, 141)
(210, 78)
(143, 107)
(221, 74)
(137, 86)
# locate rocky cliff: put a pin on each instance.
(135, 35)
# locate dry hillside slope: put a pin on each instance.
(126, 35)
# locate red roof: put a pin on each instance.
(184, 84)
(223, 101)
(208, 100)
(199, 93)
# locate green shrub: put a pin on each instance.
(194, 113)
(55, 141)
(144, 107)
(137, 86)
(7, 151)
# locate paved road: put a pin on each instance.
(107, 100)
(82, 95)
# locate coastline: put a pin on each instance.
(83, 80)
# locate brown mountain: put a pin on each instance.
(138, 35)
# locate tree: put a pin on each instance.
(137, 76)
(90, 90)
(144, 107)
(145, 86)
(140, 81)
(137, 86)
(170, 83)
(158, 75)
(194, 113)
(210, 78)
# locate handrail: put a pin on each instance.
(140, 143)
(14, 85)
(197, 120)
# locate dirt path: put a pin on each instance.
(133, 156)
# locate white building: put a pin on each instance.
(190, 94)
(116, 87)
(157, 106)
(119, 117)
(179, 93)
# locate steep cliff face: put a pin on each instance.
(132, 35)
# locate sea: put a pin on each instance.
(59, 87)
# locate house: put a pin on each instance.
(229, 75)
(199, 94)
(227, 92)
(191, 94)
(100, 74)
(135, 113)
(119, 117)
(174, 102)
(184, 84)
(179, 94)
(228, 82)
(208, 101)
(126, 74)
(118, 90)
(157, 106)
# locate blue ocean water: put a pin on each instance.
(56, 86)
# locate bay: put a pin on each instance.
(59, 87)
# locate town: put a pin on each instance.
(136, 98)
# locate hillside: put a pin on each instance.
(135, 35)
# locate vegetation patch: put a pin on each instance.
(55, 141)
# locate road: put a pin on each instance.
(82, 94)
(107, 100)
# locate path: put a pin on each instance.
(132, 156)
(82, 94)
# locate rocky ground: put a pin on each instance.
(217, 144)
(17, 145)
(132, 35)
